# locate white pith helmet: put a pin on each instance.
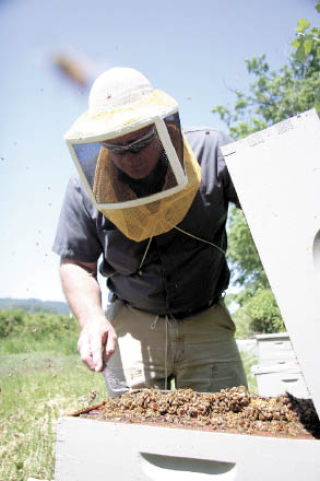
(120, 98)
(117, 87)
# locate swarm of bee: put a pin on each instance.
(232, 410)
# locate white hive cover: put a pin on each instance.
(276, 173)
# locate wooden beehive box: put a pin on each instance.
(98, 450)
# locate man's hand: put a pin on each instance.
(97, 343)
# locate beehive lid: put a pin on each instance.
(276, 173)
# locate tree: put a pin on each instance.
(272, 96)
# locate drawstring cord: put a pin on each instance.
(183, 232)
(154, 322)
(153, 326)
(166, 357)
(200, 239)
(145, 254)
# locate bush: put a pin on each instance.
(26, 331)
(242, 322)
(11, 321)
(259, 314)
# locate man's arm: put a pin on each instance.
(82, 291)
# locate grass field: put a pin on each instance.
(36, 389)
(40, 382)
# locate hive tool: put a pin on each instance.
(115, 387)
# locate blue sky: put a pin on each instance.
(194, 50)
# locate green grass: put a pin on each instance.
(250, 360)
(37, 389)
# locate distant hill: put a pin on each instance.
(34, 305)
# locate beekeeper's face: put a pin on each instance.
(136, 153)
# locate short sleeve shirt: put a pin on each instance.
(179, 273)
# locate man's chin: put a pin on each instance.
(138, 174)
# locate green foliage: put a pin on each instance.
(243, 329)
(258, 313)
(22, 331)
(11, 321)
(242, 252)
(276, 95)
(272, 97)
(263, 312)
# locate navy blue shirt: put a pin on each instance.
(180, 274)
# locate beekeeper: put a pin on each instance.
(151, 199)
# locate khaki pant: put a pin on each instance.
(199, 351)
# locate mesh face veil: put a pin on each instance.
(131, 155)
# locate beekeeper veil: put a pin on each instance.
(132, 157)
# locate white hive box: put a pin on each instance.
(275, 349)
(278, 369)
(96, 450)
(277, 176)
(274, 380)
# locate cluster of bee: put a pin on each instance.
(232, 410)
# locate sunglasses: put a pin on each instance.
(134, 147)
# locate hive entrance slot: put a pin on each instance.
(316, 252)
(159, 467)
